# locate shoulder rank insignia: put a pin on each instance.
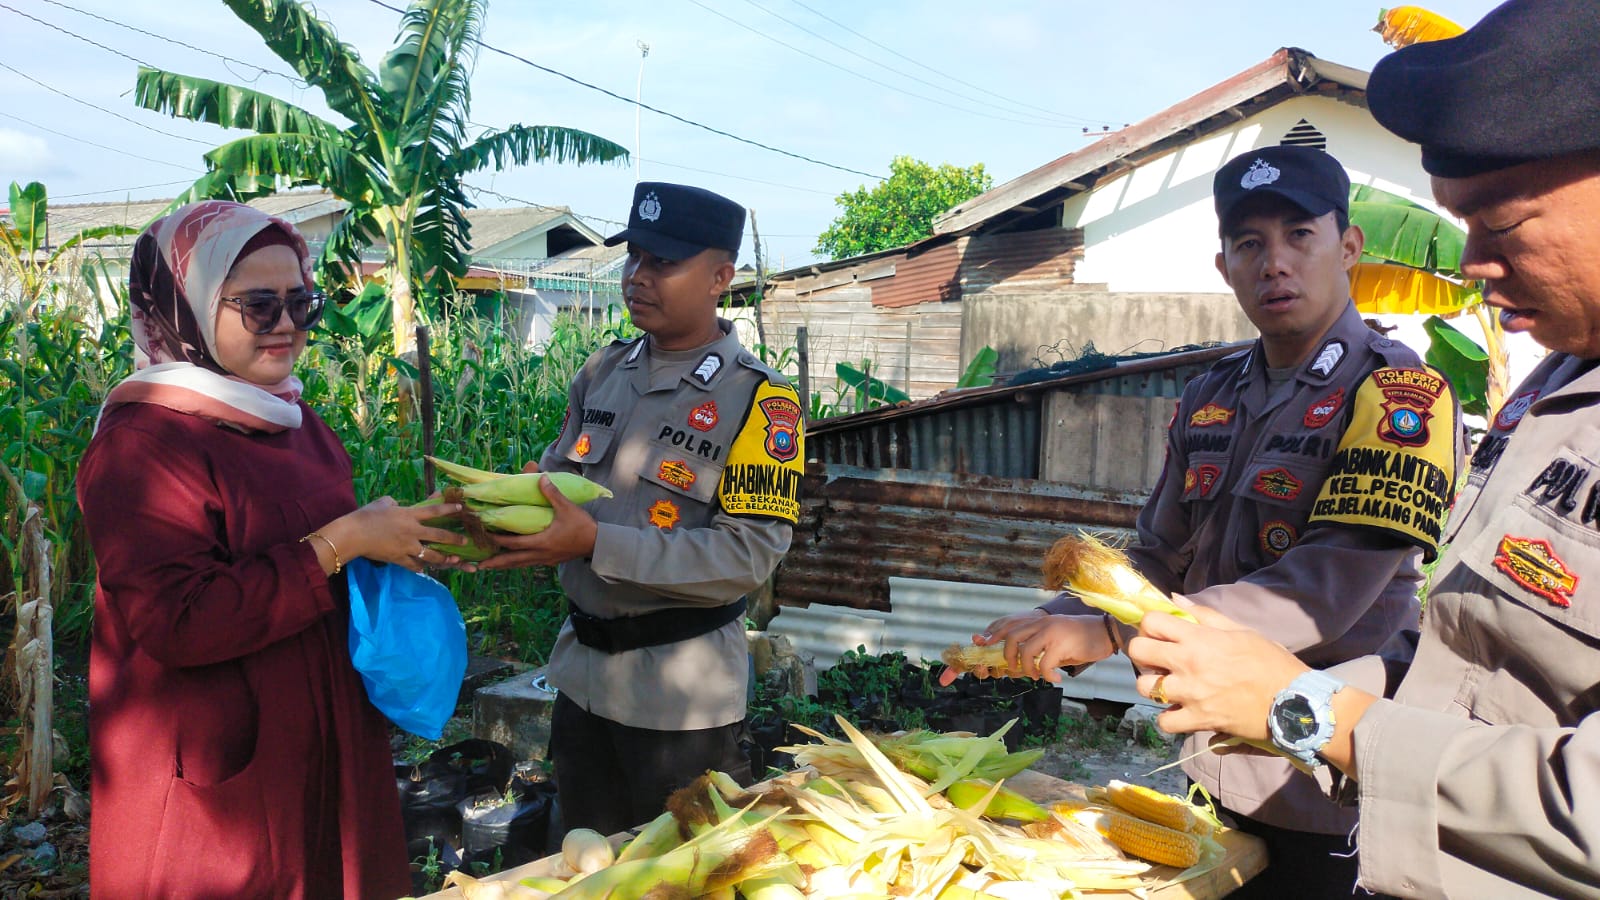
(1533, 564)
(708, 367)
(1210, 414)
(1328, 358)
(638, 348)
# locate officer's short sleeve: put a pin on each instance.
(767, 458)
(1394, 470)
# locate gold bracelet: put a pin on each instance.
(337, 563)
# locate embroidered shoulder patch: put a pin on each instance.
(1210, 414)
(1533, 564)
(581, 446)
(1395, 468)
(767, 459)
(677, 473)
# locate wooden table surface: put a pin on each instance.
(1246, 855)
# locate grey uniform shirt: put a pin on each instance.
(660, 430)
(1451, 807)
(1230, 525)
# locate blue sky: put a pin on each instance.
(1008, 83)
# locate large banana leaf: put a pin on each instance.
(1400, 231)
(301, 158)
(310, 45)
(1462, 361)
(1385, 288)
(522, 144)
(228, 105)
(28, 204)
(870, 391)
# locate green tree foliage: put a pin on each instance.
(400, 162)
(900, 210)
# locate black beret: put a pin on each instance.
(1305, 176)
(1521, 85)
(676, 221)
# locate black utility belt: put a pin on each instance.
(665, 626)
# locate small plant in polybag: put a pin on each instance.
(408, 643)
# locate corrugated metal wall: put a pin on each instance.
(861, 526)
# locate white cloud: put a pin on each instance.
(22, 153)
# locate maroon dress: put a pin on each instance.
(233, 749)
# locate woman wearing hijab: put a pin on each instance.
(233, 749)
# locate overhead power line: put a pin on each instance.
(137, 187)
(108, 112)
(74, 34)
(660, 112)
(80, 140)
(936, 71)
(868, 78)
(1075, 120)
(298, 82)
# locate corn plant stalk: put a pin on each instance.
(33, 651)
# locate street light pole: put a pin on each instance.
(638, 93)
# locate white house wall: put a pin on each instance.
(1154, 229)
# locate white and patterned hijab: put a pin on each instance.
(174, 287)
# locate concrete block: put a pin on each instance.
(1140, 715)
(516, 713)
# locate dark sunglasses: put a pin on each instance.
(259, 310)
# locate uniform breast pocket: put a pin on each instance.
(1204, 478)
(591, 445)
(681, 473)
(1289, 484)
(1543, 562)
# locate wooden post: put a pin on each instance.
(802, 351)
(425, 377)
(907, 385)
(761, 280)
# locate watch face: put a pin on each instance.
(1295, 719)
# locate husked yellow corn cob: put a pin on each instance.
(1407, 25)
(1102, 577)
(1147, 840)
(965, 659)
(1153, 806)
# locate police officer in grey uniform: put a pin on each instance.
(1255, 513)
(1481, 777)
(701, 445)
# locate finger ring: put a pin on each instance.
(1156, 693)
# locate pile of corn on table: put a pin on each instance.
(917, 814)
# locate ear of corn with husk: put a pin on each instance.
(495, 502)
(1403, 26)
(1101, 575)
(871, 830)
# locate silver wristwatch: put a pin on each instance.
(1301, 721)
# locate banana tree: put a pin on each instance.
(398, 164)
(25, 250)
(1412, 264)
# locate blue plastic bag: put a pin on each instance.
(409, 644)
